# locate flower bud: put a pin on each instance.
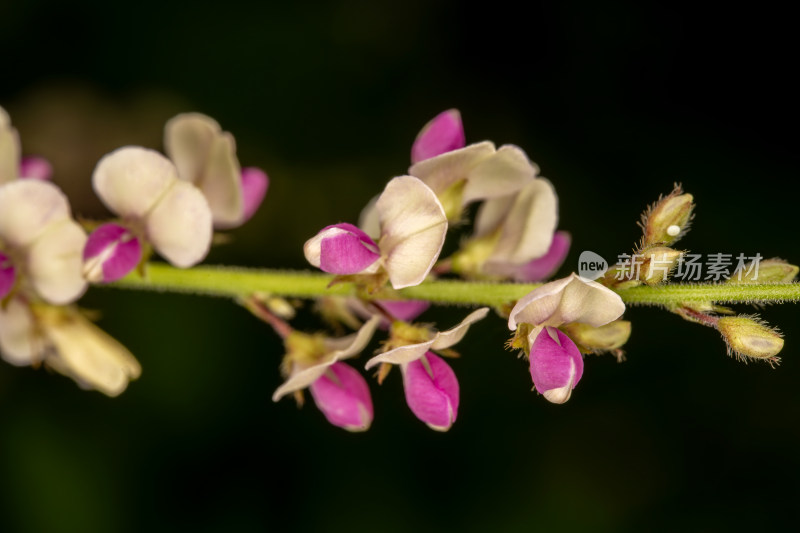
(668, 219)
(747, 337)
(599, 339)
(7, 275)
(766, 271)
(111, 252)
(431, 390)
(556, 365)
(343, 397)
(658, 263)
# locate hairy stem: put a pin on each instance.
(233, 282)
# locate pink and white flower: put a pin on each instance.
(411, 231)
(206, 157)
(155, 207)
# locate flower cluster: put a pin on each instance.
(46, 258)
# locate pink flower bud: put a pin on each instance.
(431, 391)
(556, 365)
(7, 275)
(35, 167)
(443, 133)
(110, 253)
(255, 183)
(343, 397)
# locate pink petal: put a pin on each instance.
(347, 252)
(111, 252)
(7, 275)
(549, 263)
(405, 310)
(432, 391)
(442, 134)
(343, 397)
(255, 183)
(35, 167)
(556, 367)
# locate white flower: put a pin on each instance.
(142, 186)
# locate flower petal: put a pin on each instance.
(556, 365)
(221, 182)
(8, 275)
(504, 172)
(536, 269)
(54, 263)
(413, 228)
(341, 249)
(528, 229)
(342, 394)
(90, 356)
(9, 149)
(443, 133)
(571, 299)
(179, 226)
(35, 167)
(400, 355)
(187, 141)
(27, 209)
(405, 310)
(255, 184)
(131, 179)
(341, 348)
(447, 169)
(448, 338)
(19, 342)
(111, 252)
(431, 390)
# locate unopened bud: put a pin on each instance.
(601, 339)
(747, 337)
(658, 263)
(766, 271)
(668, 219)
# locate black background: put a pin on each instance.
(614, 101)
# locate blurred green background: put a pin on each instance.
(614, 101)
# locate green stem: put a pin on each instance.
(231, 282)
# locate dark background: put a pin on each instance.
(614, 101)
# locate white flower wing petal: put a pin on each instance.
(131, 179)
(504, 172)
(452, 336)
(179, 226)
(27, 208)
(187, 142)
(528, 231)
(19, 343)
(222, 182)
(9, 149)
(442, 171)
(55, 262)
(401, 355)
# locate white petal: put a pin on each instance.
(505, 172)
(444, 170)
(130, 180)
(20, 345)
(413, 228)
(9, 149)
(221, 182)
(492, 213)
(179, 226)
(401, 355)
(341, 348)
(55, 262)
(369, 221)
(448, 338)
(528, 229)
(571, 299)
(27, 208)
(187, 142)
(90, 356)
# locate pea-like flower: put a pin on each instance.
(206, 157)
(339, 391)
(555, 361)
(411, 228)
(40, 243)
(430, 385)
(156, 208)
(64, 340)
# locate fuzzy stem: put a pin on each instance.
(233, 282)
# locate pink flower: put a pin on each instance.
(431, 390)
(342, 395)
(556, 365)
